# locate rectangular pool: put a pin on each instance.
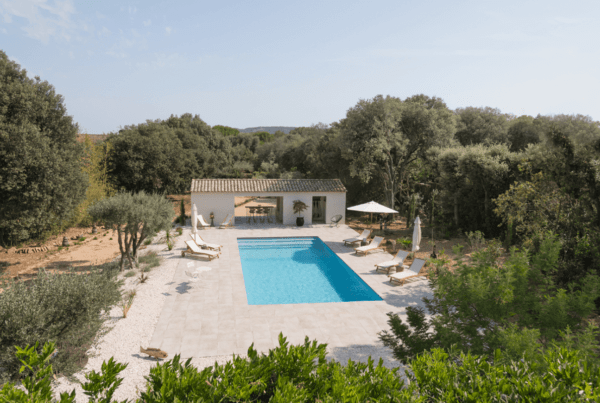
(298, 270)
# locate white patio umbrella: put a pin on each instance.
(416, 235)
(372, 207)
(194, 218)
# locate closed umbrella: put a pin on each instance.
(194, 218)
(372, 207)
(416, 235)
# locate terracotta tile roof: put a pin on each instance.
(266, 185)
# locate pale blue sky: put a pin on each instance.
(284, 63)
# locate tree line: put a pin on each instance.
(476, 169)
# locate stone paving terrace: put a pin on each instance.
(211, 316)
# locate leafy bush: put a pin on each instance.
(63, 308)
(81, 239)
(405, 242)
(148, 241)
(286, 374)
(302, 374)
(130, 273)
(560, 375)
(485, 306)
(476, 240)
(100, 387)
(458, 249)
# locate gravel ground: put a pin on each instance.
(126, 335)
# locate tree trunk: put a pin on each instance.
(121, 248)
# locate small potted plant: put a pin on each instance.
(212, 219)
(299, 207)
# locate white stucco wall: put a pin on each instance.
(222, 204)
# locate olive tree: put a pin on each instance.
(134, 216)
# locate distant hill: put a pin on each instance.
(269, 129)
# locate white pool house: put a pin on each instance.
(269, 200)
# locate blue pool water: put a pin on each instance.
(298, 270)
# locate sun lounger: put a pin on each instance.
(395, 262)
(374, 245)
(200, 242)
(201, 222)
(417, 271)
(227, 222)
(193, 249)
(362, 237)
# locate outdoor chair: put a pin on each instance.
(417, 271)
(374, 245)
(336, 219)
(227, 222)
(193, 249)
(201, 222)
(395, 262)
(201, 243)
(362, 237)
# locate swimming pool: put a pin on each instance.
(298, 270)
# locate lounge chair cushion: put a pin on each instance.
(200, 242)
(193, 248)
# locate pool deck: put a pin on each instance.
(211, 316)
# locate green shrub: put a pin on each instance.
(95, 238)
(286, 374)
(37, 386)
(151, 260)
(179, 230)
(148, 241)
(130, 273)
(81, 239)
(64, 308)
(405, 242)
(458, 249)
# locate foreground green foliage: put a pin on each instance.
(134, 217)
(303, 374)
(559, 375)
(100, 387)
(41, 180)
(287, 374)
(485, 306)
(63, 308)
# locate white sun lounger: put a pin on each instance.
(227, 222)
(395, 262)
(417, 271)
(201, 243)
(362, 237)
(201, 222)
(374, 245)
(193, 249)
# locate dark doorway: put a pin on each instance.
(318, 209)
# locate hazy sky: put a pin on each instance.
(296, 63)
